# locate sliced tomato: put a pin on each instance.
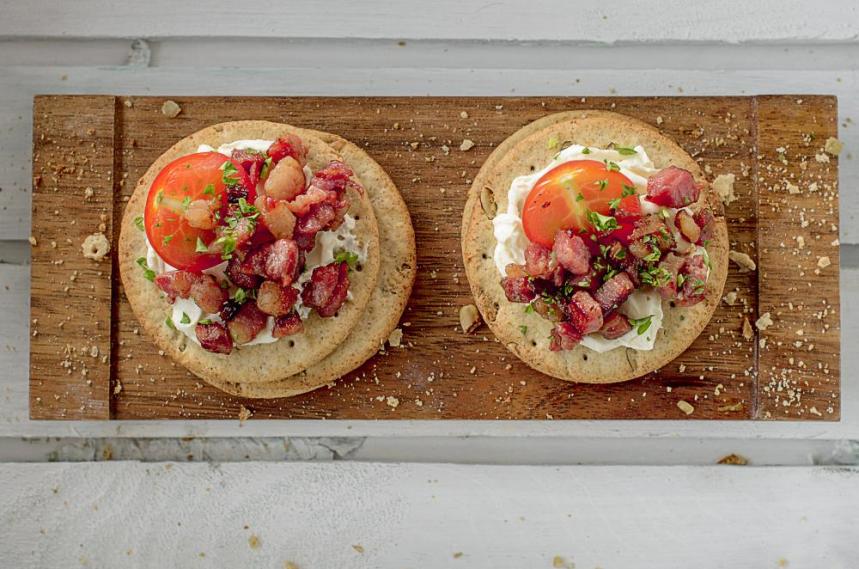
(189, 178)
(564, 196)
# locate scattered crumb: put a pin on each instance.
(170, 109)
(96, 246)
(833, 146)
(764, 322)
(254, 541)
(244, 413)
(742, 260)
(392, 402)
(466, 145)
(822, 158)
(88, 192)
(358, 548)
(457, 555)
(685, 407)
(33, 241)
(290, 565)
(748, 333)
(730, 298)
(724, 186)
(396, 338)
(659, 120)
(469, 318)
(463, 115)
(823, 262)
(734, 459)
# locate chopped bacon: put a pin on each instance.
(571, 252)
(286, 180)
(281, 262)
(214, 337)
(229, 309)
(640, 249)
(288, 145)
(514, 270)
(538, 261)
(694, 273)
(326, 290)
(705, 220)
(301, 204)
(176, 283)
(276, 300)
(614, 292)
(686, 225)
(652, 229)
(336, 176)
(320, 217)
(564, 337)
(239, 236)
(518, 289)
(615, 326)
(671, 264)
(208, 294)
(247, 323)
(547, 310)
(584, 313)
(241, 271)
(251, 162)
(672, 187)
(276, 217)
(287, 325)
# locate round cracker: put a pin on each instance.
(526, 151)
(397, 272)
(262, 362)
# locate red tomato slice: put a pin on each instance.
(563, 197)
(192, 177)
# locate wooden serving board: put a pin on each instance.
(89, 361)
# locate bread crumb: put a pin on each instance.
(244, 413)
(823, 262)
(469, 318)
(358, 548)
(730, 298)
(254, 541)
(742, 260)
(748, 333)
(792, 189)
(32, 241)
(395, 339)
(724, 187)
(822, 158)
(290, 565)
(95, 246)
(463, 115)
(685, 407)
(833, 146)
(659, 120)
(764, 322)
(392, 402)
(466, 145)
(457, 555)
(734, 459)
(170, 109)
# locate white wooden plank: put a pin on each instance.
(555, 20)
(14, 421)
(20, 83)
(392, 516)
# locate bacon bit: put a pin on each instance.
(326, 290)
(705, 219)
(251, 162)
(288, 145)
(653, 226)
(176, 283)
(615, 326)
(214, 337)
(546, 310)
(694, 283)
(286, 180)
(208, 294)
(685, 223)
(571, 252)
(514, 270)
(672, 264)
(320, 217)
(723, 185)
(584, 313)
(614, 292)
(673, 187)
(247, 323)
(518, 289)
(538, 260)
(287, 325)
(281, 261)
(276, 217)
(276, 300)
(743, 261)
(242, 273)
(564, 337)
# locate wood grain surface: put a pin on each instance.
(441, 373)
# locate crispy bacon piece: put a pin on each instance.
(320, 217)
(251, 162)
(242, 272)
(547, 310)
(288, 145)
(672, 187)
(584, 313)
(281, 262)
(615, 326)
(652, 229)
(276, 300)
(564, 337)
(287, 325)
(286, 180)
(276, 217)
(208, 294)
(247, 323)
(614, 292)
(176, 283)
(686, 225)
(672, 264)
(518, 289)
(705, 220)
(214, 337)
(538, 261)
(326, 290)
(571, 252)
(694, 273)
(640, 249)
(229, 309)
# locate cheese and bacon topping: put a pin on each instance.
(597, 240)
(246, 241)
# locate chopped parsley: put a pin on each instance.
(653, 256)
(186, 201)
(240, 296)
(627, 191)
(266, 168)
(612, 166)
(159, 197)
(204, 322)
(523, 329)
(614, 203)
(185, 319)
(138, 221)
(230, 174)
(602, 222)
(169, 322)
(167, 239)
(529, 308)
(147, 272)
(228, 243)
(657, 276)
(579, 197)
(347, 257)
(553, 143)
(681, 278)
(603, 184)
(201, 247)
(586, 150)
(246, 208)
(209, 190)
(641, 325)
(625, 151)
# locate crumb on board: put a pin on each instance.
(823, 262)
(742, 260)
(170, 109)
(466, 145)
(254, 541)
(32, 241)
(244, 413)
(469, 318)
(748, 333)
(734, 459)
(359, 548)
(395, 339)
(730, 298)
(95, 246)
(833, 146)
(724, 187)
(685, 406)
(764, 322)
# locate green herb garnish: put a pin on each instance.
(347, 257)
(185, 319)
(209, 190)
(529, 308)
(204, 322)
(625, 151)
(602, 222)
(169, 322)
(614, 203)
(603, 184)
(579, 197)
(523, 329)
(186, 201)
(167, 239)
(586, 150)
(612, 166)
(138, 221)
(627, 191)
(553, 143)
(147, 272)
(641, 325)
(230, 174)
